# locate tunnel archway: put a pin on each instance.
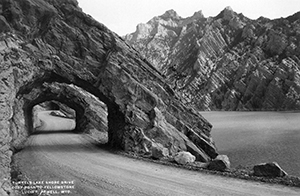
(143, 112)
(135, 120)
(74, 97)
(48, 95)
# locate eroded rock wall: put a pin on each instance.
(49, 45)
(227, 62)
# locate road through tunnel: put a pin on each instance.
(56, 51)
(53, 116)
(135, 116)
(90, 113)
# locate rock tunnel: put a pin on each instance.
(89, 112)
(46, 89)
(63, 52)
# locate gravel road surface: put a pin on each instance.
(65, 156)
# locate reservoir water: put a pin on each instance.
(250, 138)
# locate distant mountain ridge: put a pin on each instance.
(227, 62)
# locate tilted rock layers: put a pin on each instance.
(51, 50)
(227, 62)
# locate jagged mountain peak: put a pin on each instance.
(170, 14)
(213, 59)
(227, 13)
(198, 14)
(228, 8)
(156, 26)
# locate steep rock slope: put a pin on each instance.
(51, 50)
(227, 62)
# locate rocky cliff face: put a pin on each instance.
(50, 50)
(227, 62)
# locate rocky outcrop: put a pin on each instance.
(159, 152)
(268, 170)
(227, 62)
(220, 163)
(184, 158)
(51, 50)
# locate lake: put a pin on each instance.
(250, 138)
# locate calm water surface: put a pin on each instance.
(249, 138)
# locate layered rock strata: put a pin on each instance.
(227, 62)
(51, 50)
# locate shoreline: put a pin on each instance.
(243, 172)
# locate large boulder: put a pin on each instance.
(220, 163)
(271, 170)
(158, 151)
(184, 158)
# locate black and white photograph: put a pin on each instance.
(149, 98)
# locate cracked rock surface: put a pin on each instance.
(227, 62)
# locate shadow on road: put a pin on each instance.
(68, 148)
(52, 132)
(64, 144)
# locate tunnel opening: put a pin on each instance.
(61, 118)
(55, 111)
(71, 90)
(61, 100)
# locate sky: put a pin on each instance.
(122, 16)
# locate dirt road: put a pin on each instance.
(46, 121)
(65, 156)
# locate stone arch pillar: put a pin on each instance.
(116, 126)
